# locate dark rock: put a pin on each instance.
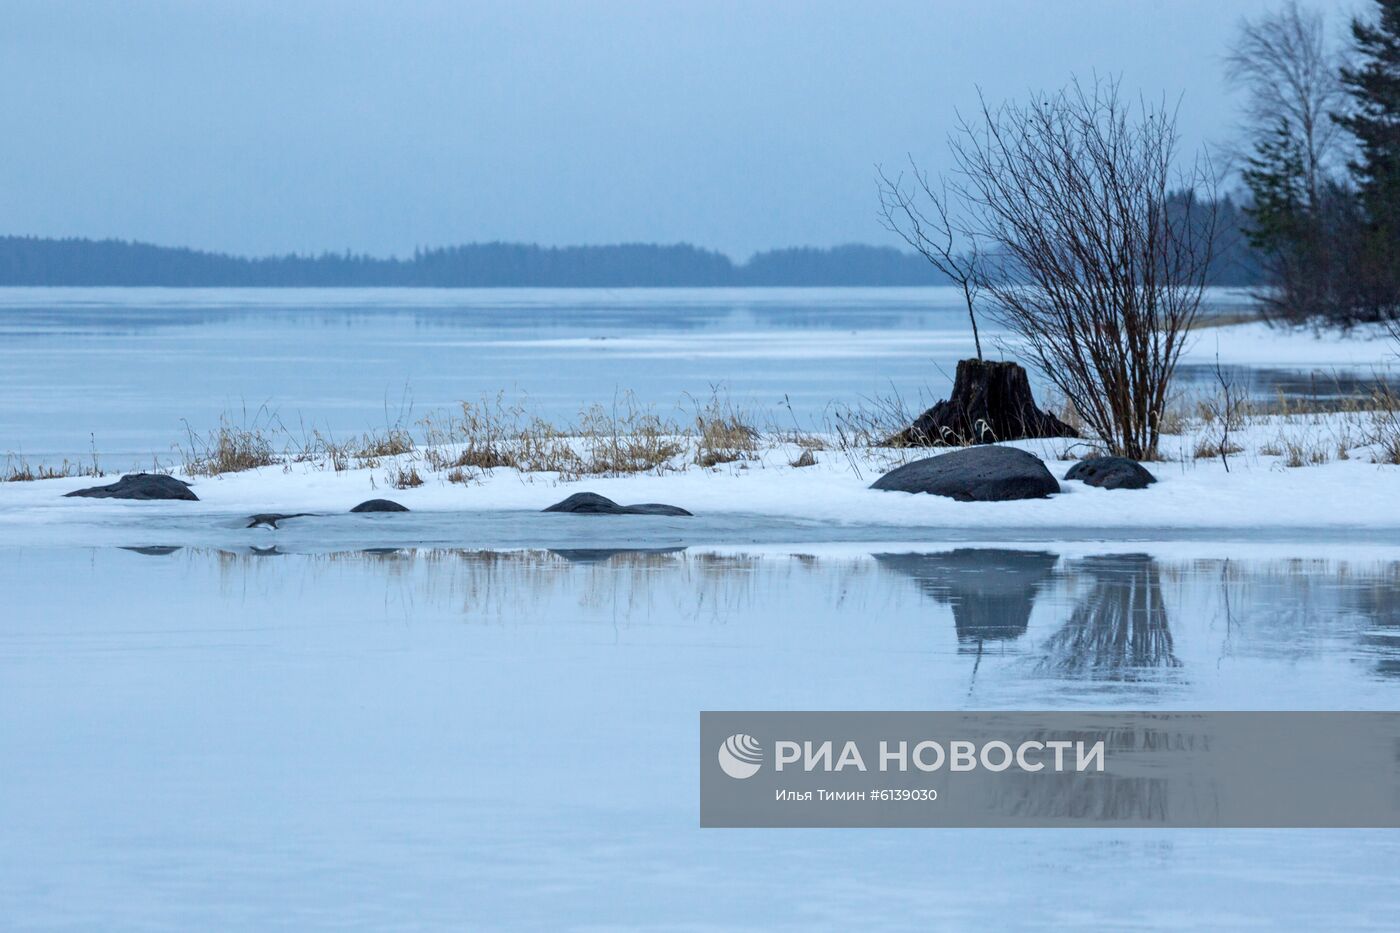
(991, 402)
(590, 503)
(975, 474)
(653, 508)
(379, 505)
(270, 519)
(1111, 473)
(601, 555)
(140, 486)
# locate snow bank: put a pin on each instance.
(1259, 345)
(1257, 492)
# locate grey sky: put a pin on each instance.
(259, 127)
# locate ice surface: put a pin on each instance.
(207, 738)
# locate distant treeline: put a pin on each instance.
(79, 262)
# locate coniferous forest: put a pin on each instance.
(36, 261)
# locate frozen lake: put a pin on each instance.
(216, 737)
(122, 371)
(477, 715)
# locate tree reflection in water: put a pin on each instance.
(1119, 630)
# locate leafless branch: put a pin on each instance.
(919, 214)
(1099, 246)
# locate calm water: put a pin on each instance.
(123, 371)
(202, 738)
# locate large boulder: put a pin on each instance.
(1111, 473)
(140, 486)
(379, 505)
(590, 503)
(975, 474)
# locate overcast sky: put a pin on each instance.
(261, 127)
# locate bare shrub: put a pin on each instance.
(1382, 428)
(1094, 248)
(1225, 411)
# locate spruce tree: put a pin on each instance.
(1373, 84)
(1277, 181)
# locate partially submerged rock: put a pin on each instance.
(1111, 473)
(145, 486)
(270, 519)
(590, 503)
(975, 474)
(379, 505)
(599, 555)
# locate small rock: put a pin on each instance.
(975, 474)
(379, 505)
(805, 460)
(144, 486)
(1111, 473)
(602, 555)
(590, 503)
(270, 519)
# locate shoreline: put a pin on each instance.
(1192, 494)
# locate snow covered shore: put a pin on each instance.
(1259, 490)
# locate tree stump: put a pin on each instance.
(991, 402)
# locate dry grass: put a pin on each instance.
(19, 470)
(393, 442)
(1299, 454)
(405, 477)
(606, 441)
(230, 448)
(625, 438)
(1209, 450)
(723, 434)
(478, 436)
